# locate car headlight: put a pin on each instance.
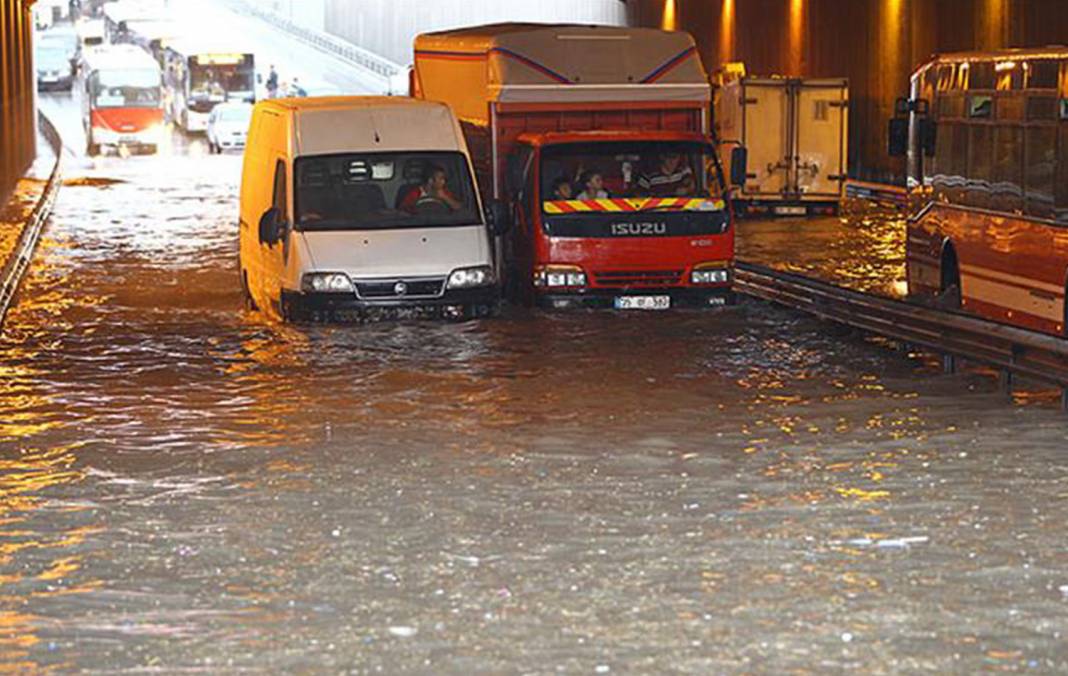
(327, 282)
(559, 276)
(466, 278)
(719, 274)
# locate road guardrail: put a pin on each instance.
(954, 335)
(19, 261)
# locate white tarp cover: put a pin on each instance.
(471, 67)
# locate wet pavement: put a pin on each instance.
(862, 249)
(186, 487)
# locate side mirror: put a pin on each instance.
(928, 136)
(498, 217)
(271, 227)
(739, 165)
(898, 137)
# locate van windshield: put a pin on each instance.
(375, 191)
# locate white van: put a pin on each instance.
(352, 206)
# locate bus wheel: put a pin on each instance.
(950, 298)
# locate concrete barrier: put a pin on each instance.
(18, 261)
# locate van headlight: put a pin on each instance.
(710, 273)
(467, 278)
(556, 276)
(327, 282)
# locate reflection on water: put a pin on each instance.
(863, 249)
(184, 486)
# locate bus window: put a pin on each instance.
(981, 76)
(980, 107)
(1008, 168)
(951, 157)
(1041, 108)
(1062, 177)
(980, 164)
(1009, 76)
(1041, 163)
(1042, 74)
(1011, 107)
(946, 74)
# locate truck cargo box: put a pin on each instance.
(796, 132)
(504, 80)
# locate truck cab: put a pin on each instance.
(596, 141)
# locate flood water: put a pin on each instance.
(185, 487)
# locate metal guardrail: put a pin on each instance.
(17, 263)
(1013, 351)
(327, 43)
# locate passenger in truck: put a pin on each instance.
(592, 186)
(432, 195)
(561, 189)
(671, 178)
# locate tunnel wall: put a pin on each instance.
(18, 136)
(388, 28)
(875, 43)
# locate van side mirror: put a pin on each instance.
(498, 217)
(928, 136)
(739, 165)
(898, 137)
(271, 226)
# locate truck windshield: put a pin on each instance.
(378, 191)
(644, 176)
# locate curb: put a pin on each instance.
(16, 265)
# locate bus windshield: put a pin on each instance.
(219, 79)
(126, 89)
(373, 191)
(641, 176)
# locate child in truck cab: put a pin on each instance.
(671, 178)
(592, 186)
(561, 190)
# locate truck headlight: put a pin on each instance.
(467, 278)
(327, 282)
(559, 276)
(710, 274)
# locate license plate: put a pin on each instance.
(643, 302)
(790, 211)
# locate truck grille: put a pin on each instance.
(638, 277)
(414, 288)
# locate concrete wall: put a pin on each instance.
(875, 43)
(18, 135)
(388, 27)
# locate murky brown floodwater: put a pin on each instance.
(863, 249)
(184, 487)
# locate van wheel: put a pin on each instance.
(950, 297)
(250, 303)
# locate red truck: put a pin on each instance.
(593, 144)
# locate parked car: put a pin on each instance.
(228, 126)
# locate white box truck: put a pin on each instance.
(796, 131)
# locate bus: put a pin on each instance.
(986, 140)
(198, 75)
(120, 87)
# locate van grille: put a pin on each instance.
(638, 277)
(387, 288)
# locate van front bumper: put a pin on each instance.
(310, 306)
(602, 298)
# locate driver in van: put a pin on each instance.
(433, 190)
